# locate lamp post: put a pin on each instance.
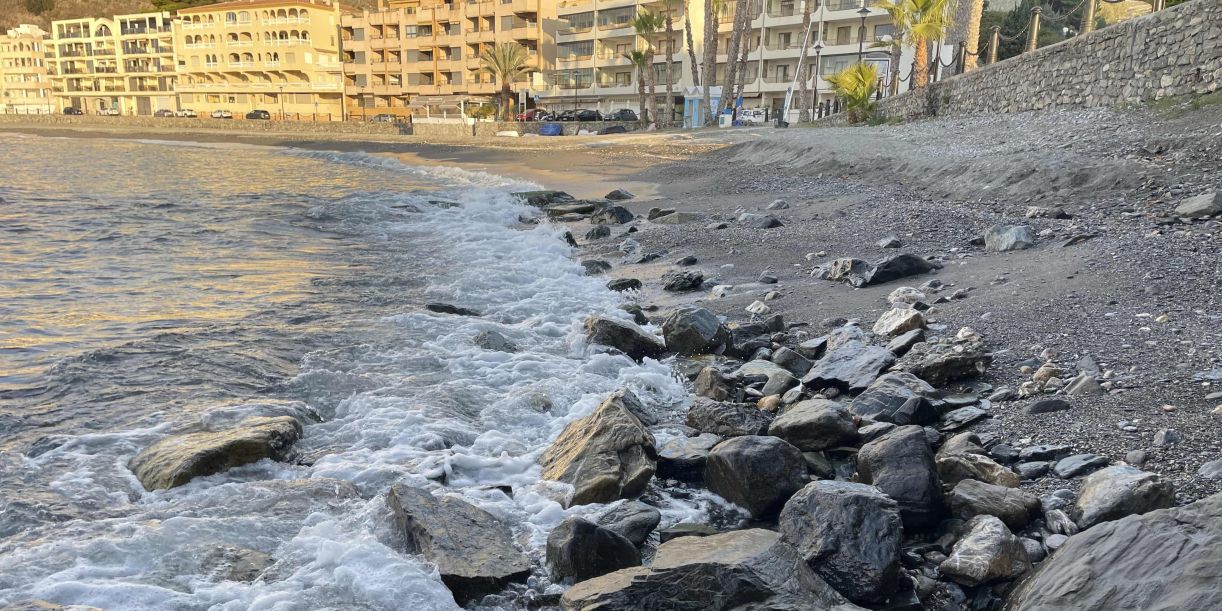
(818, 66)
(281, 87)
(861, 33)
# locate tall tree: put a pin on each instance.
(712, 15)
(966, 29)
(640, 61)
(742, 59)
(665, 118)
(741, 29)
(856, 85)
(804, 89)
(647, 25)
(921, 22)
(506, 61)
(691, 46)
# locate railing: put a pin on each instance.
(242, 64)
(142, 31)
(285, 20)
(783, 11)
(783, 46)
(240, 43)
(200, 45)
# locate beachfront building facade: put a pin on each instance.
(282, 56)
(421, 57)
(593, 72)
(24, 86)
(124, 63)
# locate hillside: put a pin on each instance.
(43, 12)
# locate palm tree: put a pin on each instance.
(742, 27)
(967, 23)
(506, 61)
(856, 86)
(670, 64)
(691, 46)
(804, 89)
(642, 62)
(742, 60)
(712, 15)
(646, 25)
(920, 21)
(894, 44)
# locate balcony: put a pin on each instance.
(240, 65)
(144, 31)
(528, 32)
(521, 7)
(278, 21)
(239, 43)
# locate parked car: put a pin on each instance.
(534, 114)
(752, 116)
(222, 114)
(586, 114)
(261, 115)
(164, 112)
(186, 112)
(110, 112)
(73, 111)
(623, 114)
(567, 115)
(384, 118)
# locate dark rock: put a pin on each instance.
(871, 432)
(686, 529)
(727, 419)
(818, 464)
(898, 397)
(778, 383)
(1078, 464)
(690, 330)
(849, 534)
(903, 343)
(759, 221)
(648, 258)
(971, 498)
(656, 213)
(890, 242)
(954, 468)
(1044, 452)
(618, 195)
(177, 459)
(852, 366)
(797, 364)
(578, 550)
(957, 419)
(1003, 453)
(813, 348)
(712, 384)
(683, 458)
(1165, 559)
(1031, 470)
(598, 232)
(605, 456)
(492, 340)
(681, 281)
(595, 267)
(815, 424)
(858, 273)
(480, 560)
(1115, 492)
(445, 308)
(1001, 238)
(624, 336)
(767, 278)
(901, 464)
(734, 571)
(988, 552)
(687, 261)
(611, 215)
(540, 199)
(631, 520)
(756, 473)
(941, 363)
(1046, 406)
(620, 285)
(578, 207)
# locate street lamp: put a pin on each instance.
(861, 33)
(818, 67)
(281, 96)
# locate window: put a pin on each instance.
(844, 35)
(623, 78)
(782, 73)
(231, 18)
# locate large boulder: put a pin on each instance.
(611, 215)
(756, 473)
(899, 321)
(988, 552)
(971, 498)
(1000, 238)
(1115, 492)
(1168, 559)
(605, 456)
(173, 461)
(743, 570)
(759, 221)
(727, 419)
(900, 463)
(474, 552)
(792, 361)
(858, 273)
(683, 458)
(956, 467)
(898, 397)
(851, 367)
(578, 550)
(711, 383)
(941, 362)
(815, 424)
(682, 281)
(849, 534)
(624, 336)
(632, 520)
(691, 330)
(1207, 204)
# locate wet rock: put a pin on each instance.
(1078, 464)
(683, 458)
(901, 464)
(631, 520)
(1044, 452)
(940, 363)
(971, 498)
(1001, 238)
(494, 341)
(576, 208)
(621, 285)
(849, 534)
(1047, 406)
(540, 199)
(177, 459)
(759, 367)
(898, 397)
(779, 383)
(815, 424)
(682, 281)
(904, 342)
(1165, 559)
(689, 330)
(899, 321)
(595, 267)
(42, 605)
(756, 473)
(959, 418)
(618, 195)
(686, 529)
(734, 571)
(605, 456)
(1115, 492)
(954, 468)
(480, 560)
(795, 363)
(712, 384)
(624, 336)
(598, 232)
(611, 215)
(759, 221)
(1208, 204)
(233, 563)
(988, 552)
(727, 419)
(852, 366)
(578, 550)
(446, 308)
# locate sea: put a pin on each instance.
(149, 288)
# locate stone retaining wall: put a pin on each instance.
(1174, 52)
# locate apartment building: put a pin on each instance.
(124, 63)
(282, 56)
(421, 57)
(592, 72)
(24, 86)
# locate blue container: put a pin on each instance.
(551, 129)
